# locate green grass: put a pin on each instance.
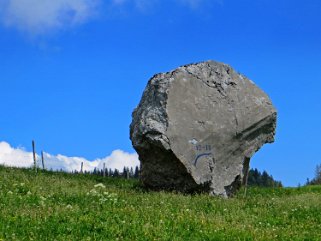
(59, 206)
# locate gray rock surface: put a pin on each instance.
(196, 128)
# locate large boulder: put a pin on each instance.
(196, 128)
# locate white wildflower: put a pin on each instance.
(100, 185)
(93, 192)
(102, 200)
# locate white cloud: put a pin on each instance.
(14, 156)
(41, 16)
(18, 157)
(118, 159)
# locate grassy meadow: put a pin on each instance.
(60, 206)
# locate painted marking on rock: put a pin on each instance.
(201, 155)
(203, 148)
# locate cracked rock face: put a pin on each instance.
(196, 128)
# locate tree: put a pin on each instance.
(136, 173)
(317, 178)
(256, 178)
(126, 172)
(116, 173)
(265, 179)
(318, 174)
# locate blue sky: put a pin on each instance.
(72, 71)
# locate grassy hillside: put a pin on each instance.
(58, 206)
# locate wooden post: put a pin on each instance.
(81, 168)
(246, 166)
(43, 162)
(34, 155)
(104, 170)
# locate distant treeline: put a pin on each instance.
(125, 173)
(317, 177)
(255, 178)
(262, 179)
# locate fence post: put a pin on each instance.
(246, 165)
(81, 168)
(104, 170)
(43, 161)
(34, 155)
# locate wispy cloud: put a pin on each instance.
(141, 5)
(145, 5)
(18, 157)
(192, 3)
(197, 4)
(42, 16)
(39, 17)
